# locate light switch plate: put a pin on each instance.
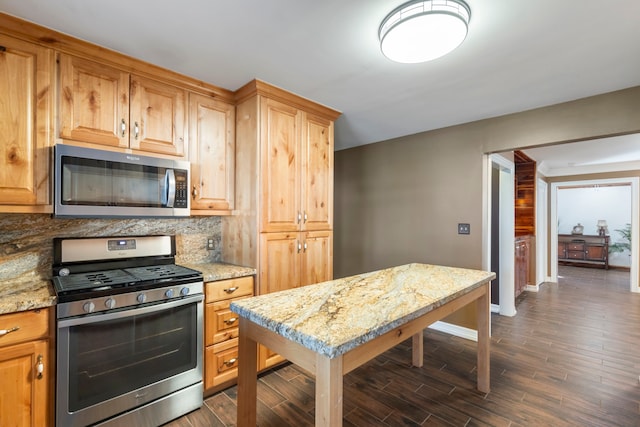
(464, 228)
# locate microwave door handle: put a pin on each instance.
(169, 196)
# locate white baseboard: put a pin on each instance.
(531, 288)
(495, 308)
(458, 331)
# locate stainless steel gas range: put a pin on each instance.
(129, 332)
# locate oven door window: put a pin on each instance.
(110, 358)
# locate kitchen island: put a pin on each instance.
(331, 328)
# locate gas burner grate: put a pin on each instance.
(94, 279)
(159, 272)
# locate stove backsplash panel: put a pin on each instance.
(26, 239)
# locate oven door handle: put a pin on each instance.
(101, 317)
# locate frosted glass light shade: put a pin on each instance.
(420, 31)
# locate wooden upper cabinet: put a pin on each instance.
(298, 167)
(212, 154)
(317, 169)
(158, 117)
(281, 164)
(94, 102)
(26, 111)
(108, 106)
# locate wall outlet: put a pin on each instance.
(464, 228)
(210, 243)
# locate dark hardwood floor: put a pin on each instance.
(570, 357)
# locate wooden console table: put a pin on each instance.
(331, 328)
(583, 249)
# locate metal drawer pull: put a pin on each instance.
(8, 331)
(123, 128)
(40, 367)
(231, 320)
(231, 290)
(230, 361)
(136, 130)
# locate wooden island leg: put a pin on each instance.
(328, 391)
(484, 340)
(417, 349)
(247, 377)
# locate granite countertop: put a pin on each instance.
(34, 289)
(334, 317)
(212, 272)
(26, 292)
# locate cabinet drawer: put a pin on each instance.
(31, 325)
(221, 323)
(575, 247)
(224, 289)
(221, 366)
(575, 255)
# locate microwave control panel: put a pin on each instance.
(182, 189)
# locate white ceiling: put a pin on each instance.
(518, 54)
(620, 153)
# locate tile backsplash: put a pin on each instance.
(26, 240)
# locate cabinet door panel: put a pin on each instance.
(23, 396)
(279, 258)
(212, 153)
(280, 164)
(94, 102)
(158, 110)
(595, 252)
(26, 106)
(317, 179)
(317, 265)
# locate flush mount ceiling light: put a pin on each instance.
(420, 31)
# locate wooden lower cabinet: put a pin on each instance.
(221, 331)
(522, 273)
(291, 260)
(26, 370)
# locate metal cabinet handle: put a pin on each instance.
(194, 192)
(39, 367)
(231, 290)
(8, 331)
(231, 320)
(136, 130)
(305, 247)
(123, 128)
(299, 217)
(230, 362)
(305, 217)
(299, 247)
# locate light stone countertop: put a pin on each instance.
(212, 272)
(35, 290)
(26, 292)
(334, 317)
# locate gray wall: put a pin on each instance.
(399, 201)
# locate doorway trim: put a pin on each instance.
(507, 306)
(634, 286)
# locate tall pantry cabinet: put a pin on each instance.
(283, 218)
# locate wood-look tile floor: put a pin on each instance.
(570, 357)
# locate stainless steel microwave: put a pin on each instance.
(90, 183)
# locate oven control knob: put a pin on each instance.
(88, 307)
(184, 291)
(110, 303)
(169, 293)
(141, 298)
